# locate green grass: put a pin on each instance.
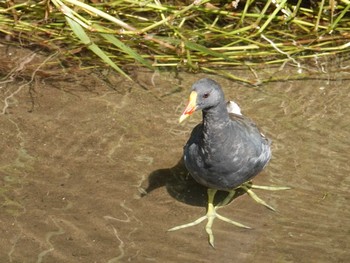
(206, 36)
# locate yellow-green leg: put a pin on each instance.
(211, 215)
(247, 187)
(211, 210)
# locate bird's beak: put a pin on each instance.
(190, 108)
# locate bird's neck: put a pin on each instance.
(215, 118)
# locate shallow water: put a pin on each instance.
(77, 156)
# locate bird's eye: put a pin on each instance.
(206, 95)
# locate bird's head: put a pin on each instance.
(205, 94)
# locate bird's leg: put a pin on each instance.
(247, 187)
(211, 215)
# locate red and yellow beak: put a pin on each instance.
(190, 108)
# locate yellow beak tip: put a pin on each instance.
(183, 117)
(190, 108)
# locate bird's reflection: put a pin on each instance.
(181, 186)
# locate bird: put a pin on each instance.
(224, 152)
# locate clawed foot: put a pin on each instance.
(211, 210)
(211, 215)
(247, 187)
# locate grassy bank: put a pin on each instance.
(208, 36)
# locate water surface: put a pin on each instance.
(77, 153)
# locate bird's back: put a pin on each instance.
(226, 157)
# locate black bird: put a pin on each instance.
(224, 152)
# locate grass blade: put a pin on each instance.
(84, 38)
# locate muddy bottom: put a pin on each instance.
(79, 151)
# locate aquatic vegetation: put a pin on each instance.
(198, 35)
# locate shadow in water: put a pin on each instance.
(181, 186)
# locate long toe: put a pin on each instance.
(210, 216)
(247, 187)
(194, 223)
